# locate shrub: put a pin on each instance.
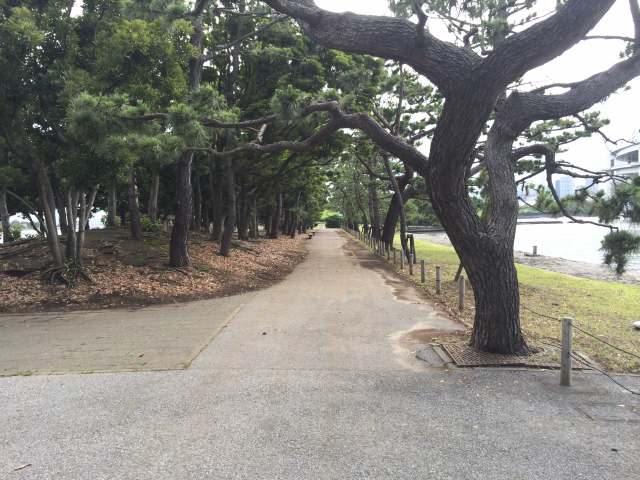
(333, 221)
(149, 226)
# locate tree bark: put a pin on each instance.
(154, 193)
(134, 208)
(217, 201)
(400, 200)
(4, 216)
(374, 209)
(197, 197)
(48, 208)
(178, 251)
(230, 221)
(275, 219)
(112, 204)
(393, 213)
(253, 223)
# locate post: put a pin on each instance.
(395, 260)
(565, 355)
(402, 253)
(438, 279)
(535, 250)
(411, 264)
(461, 291)
(422, 272)
(388, 248)
(412, 245)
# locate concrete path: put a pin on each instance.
(316, 378)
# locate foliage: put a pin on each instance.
(617, 246)
(149, 226)
(333, 221)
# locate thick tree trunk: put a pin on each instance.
(4, 216)
(48, 208)
(178, 252)
(112, 204)
(243, 216)
(403, 219)
(134, 208)
(72, 219)
(230, 221)
(154, 193)
(60, 206)
(485, 248)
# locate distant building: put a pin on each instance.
(565, 186)
(527, 193)
(626, 161)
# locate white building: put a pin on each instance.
(565, 186)
(626, 161)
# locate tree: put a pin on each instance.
(474, 83)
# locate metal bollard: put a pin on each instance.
(461, 291)
(423, 274)
(565, 355)
(438, 279)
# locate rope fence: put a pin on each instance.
(568, 325)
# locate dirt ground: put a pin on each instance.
(129, 273)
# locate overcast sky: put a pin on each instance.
(585, 59)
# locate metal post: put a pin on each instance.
(438, 279)
(565, 355)
(461, 291)
(422, 272)
(410, 264)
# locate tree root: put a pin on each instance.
(68, 275)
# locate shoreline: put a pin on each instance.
(552, 264)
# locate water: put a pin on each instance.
(573, 241)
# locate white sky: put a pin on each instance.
(585, 59)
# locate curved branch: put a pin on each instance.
(445, 64)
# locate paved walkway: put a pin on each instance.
(314, 378)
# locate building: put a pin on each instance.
(565, 186)
(625, 162)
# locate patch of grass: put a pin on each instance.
(605, 309)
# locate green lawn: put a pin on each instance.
(606, 309)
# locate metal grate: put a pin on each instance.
(465, 356)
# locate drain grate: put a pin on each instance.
(465, 356)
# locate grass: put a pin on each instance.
(605, 309)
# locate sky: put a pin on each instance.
(582, 61)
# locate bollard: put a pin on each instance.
(535, 250)
(423, 274)
(411, 264)
(461, 289)
(565, 355)
(401, 259)
(438, 279)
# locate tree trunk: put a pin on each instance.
(485, 248)
(154, 193)
(230, 221)
(134, 208)
(400, 201)
(48, 208)
(178, 252)
(243, 216)
(217, 201)
(4, 216)
(374, 209)
(112, 204)
(393, 213)
(197, 198)
(275, 219)
(72, 219)
(253, 227)
(60, 206)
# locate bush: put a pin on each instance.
(333, 221)
(617, 246)
(149, 226)
(15, 231)
(105, 219)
